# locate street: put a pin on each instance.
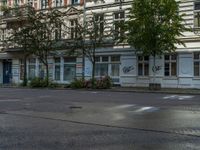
(42, 119)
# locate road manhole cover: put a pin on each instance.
(75, 107)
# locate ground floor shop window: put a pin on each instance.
(69, 73)
(57, 69)
(101, 69)
(21, 69)
(171, 65)
(41, 71)
(32, 68)
(143, 66)
(196, 64)
(107, 65)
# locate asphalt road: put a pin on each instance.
(40, 119)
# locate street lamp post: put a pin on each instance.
(83, 54)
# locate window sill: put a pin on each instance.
(143, 77)
(170, 78)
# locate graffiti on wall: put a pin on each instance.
(128, 69)
(156, 69)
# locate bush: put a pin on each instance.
(78, 84)
(38, 82)
(102, 83)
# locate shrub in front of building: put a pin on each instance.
(101, 83)
(42, 83)
(78, 84)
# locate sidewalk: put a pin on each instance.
(124, 89)
(163, 90)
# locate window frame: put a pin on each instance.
(117, 21)
(196, 61)
(196, 13)
(144, 62)
(171, 61)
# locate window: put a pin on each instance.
(143, 66)
(118, 21)
(99, 20)
(30, 2)
(16, 2)
(115, 65)
(57, 69)
(31, 68)
(73, 28)
(42, 70)
(44, 4)
(171, 65)
(196, 64)
(21, 69)
(197, 14)
(69, 68)
(58, 3)
(107, 65)
(74, 2)
(58, 32)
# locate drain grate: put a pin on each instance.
(75, 107)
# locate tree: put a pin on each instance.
(154, 27)
(20, 36)
(42, 31)
(45, 29)
(90, 36)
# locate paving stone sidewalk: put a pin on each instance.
(163, 90)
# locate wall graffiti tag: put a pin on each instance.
(156, 68)
(128, 69)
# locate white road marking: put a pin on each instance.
(147, 109)
(172, 97)
(10, 100)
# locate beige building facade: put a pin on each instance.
(179, 70)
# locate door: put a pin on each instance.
(7, 71)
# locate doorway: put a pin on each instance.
(7, 71)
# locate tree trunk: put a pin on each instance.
(154, 70)
(25, 71)
(93, 74)
(47, 73)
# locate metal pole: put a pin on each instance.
(83, 54)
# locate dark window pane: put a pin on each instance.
(146, 58)
(140, 58)
(173, 69)
(105, 59)
(146, 69)
(196, 68)
(57, 60)
(173, 57)
(57, 72)
(196, 55)
(166, 69)
(69, 59)
(166, 57)
(115, 58)
(197, 6)
(97, 59)
(140, 69)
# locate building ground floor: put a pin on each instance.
(178, 70)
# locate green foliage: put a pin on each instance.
(38, 82)
(102, 83)
(154, 26)
(42, 83)
(78, 84)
